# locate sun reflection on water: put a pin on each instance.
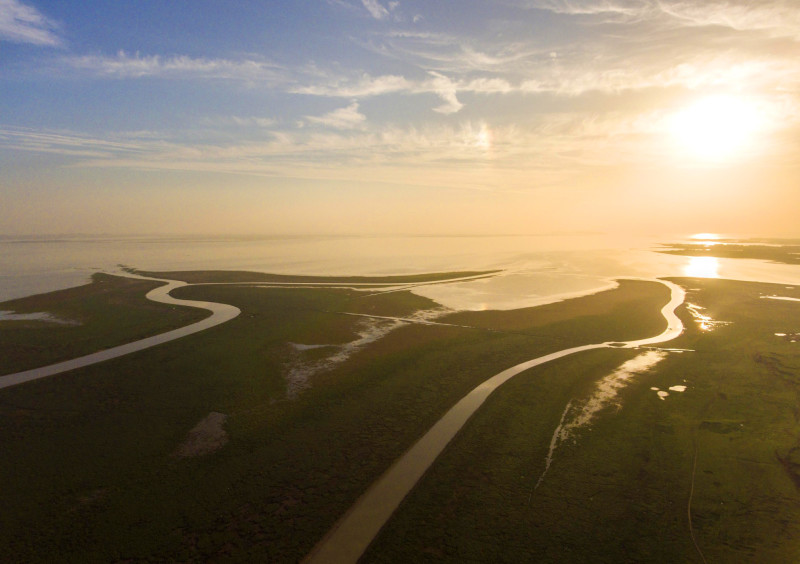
(705, 236)
(705, 239)
(705, 322)
(702, 267)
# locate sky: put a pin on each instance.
(377, 117)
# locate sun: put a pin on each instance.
(716, 128)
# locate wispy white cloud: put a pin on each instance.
(436, 83)
(446, 89)
(239, 121)
(777, 17)
(365, 86)
(65, 143)
(663, 46)
(486, 86)
(342, 118)
(671, 47)
(125, 65)
(628, 8)
(349, 147)
(375, 9)
(343, 4)
(368, 86)
(654, 43)
(582, 73)
(704, 70)
(780, 18)
(21, 23)
(443, 52)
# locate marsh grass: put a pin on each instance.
(619, 492)
(109, 311)
(88, 470)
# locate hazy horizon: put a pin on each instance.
(370, 117)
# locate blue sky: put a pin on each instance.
(369, 116)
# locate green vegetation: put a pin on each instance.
(110, 311)
(89, 470)
(620, 491)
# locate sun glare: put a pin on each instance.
(716, 128)
(483, 138)
(702, 267)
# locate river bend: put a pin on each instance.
(220, 313)
(356, 529)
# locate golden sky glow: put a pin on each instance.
(718, 128)
(518, 116)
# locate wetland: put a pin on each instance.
(203, 449)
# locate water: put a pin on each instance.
(537, 269)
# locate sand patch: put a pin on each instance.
(206, 437)
(299, 370)
(35, 316)
(580, 413)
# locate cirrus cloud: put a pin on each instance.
(20, 23)
(342, 118)
(125, 65)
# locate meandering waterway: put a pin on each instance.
(220, 313)
(351, 535)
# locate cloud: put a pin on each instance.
(589, 71)
(343, 118)
(20, 23)
(439, 84)
(444, 52)
(606, 74)
(664, 43)
(487, 86)
(780, 18)
(343, 145)
(628, 8)
(446, 90)
(375, 9)
(239, 121)
(648, 57)
(64, 143)
(366, 86)
(124, 65)
(422, 156)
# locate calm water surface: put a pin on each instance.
(538, 269)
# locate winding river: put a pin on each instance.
(351, 535)
(220, 313)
